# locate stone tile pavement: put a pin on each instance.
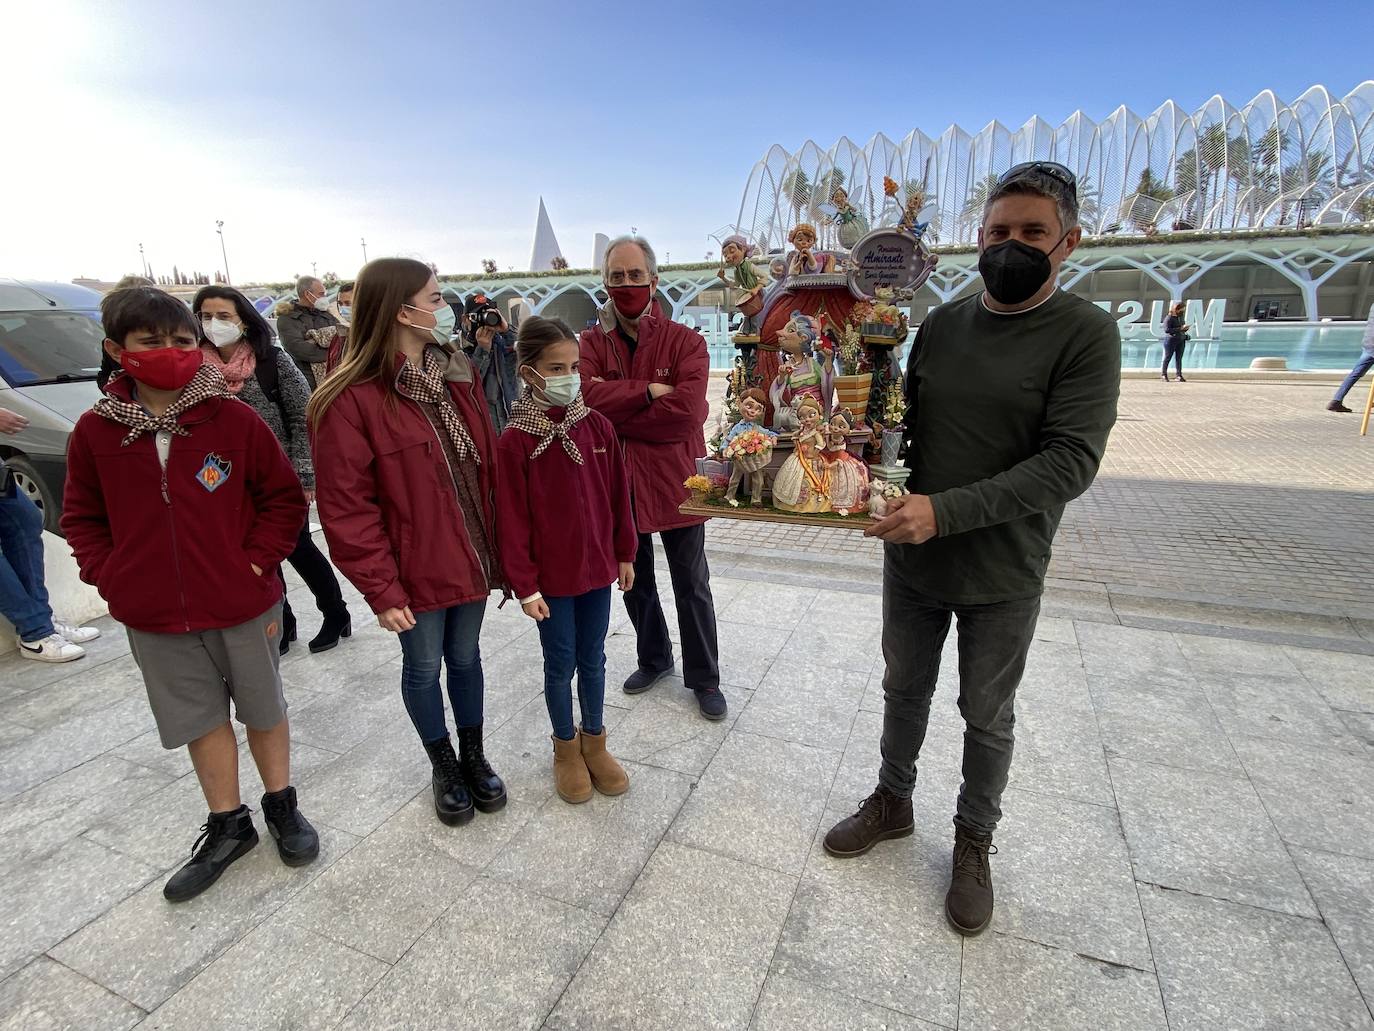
(1188, 843)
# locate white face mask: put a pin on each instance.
(221, 333)
(559, 391)
(321, 304)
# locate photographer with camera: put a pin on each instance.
(490, 344)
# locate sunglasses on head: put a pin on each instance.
(1061, 174)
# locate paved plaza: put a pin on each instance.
(1188, 840)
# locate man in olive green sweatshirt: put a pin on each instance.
(1012, 393)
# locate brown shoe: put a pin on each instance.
(608, 776)
(968, 904)
(881, 816)
(570, 776)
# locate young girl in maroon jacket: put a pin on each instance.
(406, 487)
(566, 534)
(179, 506)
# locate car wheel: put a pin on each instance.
(31, 485)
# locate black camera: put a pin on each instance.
(480, 313)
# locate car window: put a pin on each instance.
(49, 347)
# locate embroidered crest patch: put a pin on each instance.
(213, 472)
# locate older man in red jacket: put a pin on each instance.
(647, 374)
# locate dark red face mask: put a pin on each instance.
(630, 301)
(167, 368)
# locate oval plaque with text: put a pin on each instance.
(888, 259)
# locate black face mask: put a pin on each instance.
(1014, 271)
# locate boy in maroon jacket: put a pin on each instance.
(179, 506)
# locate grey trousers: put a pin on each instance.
(993, 642)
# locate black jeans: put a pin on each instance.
(1173, 348)
(318, 574)
(696, 611)
(993, 642)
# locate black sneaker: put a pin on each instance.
(297, 842)
(1336, 406)
(642, 679)
(712, 703)
(223, 838)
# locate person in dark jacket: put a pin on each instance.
(239, 343)
(648, 375)
(311, 311)
(566, 535)
(1175, 337)
(1365, 363)
(1012, 393)
(405, 481)
(180, 505)
(492, 350)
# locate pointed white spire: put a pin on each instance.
(545, 243)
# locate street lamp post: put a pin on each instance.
(143, 261)
(364, 242)
(219, 228)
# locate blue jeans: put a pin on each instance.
(23, 598)
(574, 640)
(1362, 366)
(448, 637)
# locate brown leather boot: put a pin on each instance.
(608, 776)
(570, 777)
(881, 816)
(968, 904)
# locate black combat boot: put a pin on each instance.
(452, 803)
(487, 790)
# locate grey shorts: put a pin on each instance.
(191, 677)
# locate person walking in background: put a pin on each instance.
(566, 535)
(238, 342)
(1175, 338)
(180, 505)
(647, 374)
(23, 591)
(309, 312)
(1366, 362)
(406, 484)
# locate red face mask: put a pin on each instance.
(630, 301)
(167, 368)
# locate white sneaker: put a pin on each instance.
(53, 648)
(74, 634)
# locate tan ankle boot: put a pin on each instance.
(608, 776)
(570, 777)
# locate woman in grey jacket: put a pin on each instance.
(239, 342)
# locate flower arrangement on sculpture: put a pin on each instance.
(880, 492)
(699, 485)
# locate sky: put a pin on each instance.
(432, 129)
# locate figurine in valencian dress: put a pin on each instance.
(848, 476)
(803, 373)
(803, 482)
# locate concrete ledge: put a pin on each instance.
(71, 599)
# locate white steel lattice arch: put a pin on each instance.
(1269, 164)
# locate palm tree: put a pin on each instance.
(796, 184)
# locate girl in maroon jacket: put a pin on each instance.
(406, 488)
(179, 506)
(566, 534)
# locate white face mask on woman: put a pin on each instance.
(222, 333)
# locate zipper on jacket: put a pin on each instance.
(172, 524)
(457, 500)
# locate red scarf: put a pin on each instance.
(237, 369)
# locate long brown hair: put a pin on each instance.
(383, 287)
